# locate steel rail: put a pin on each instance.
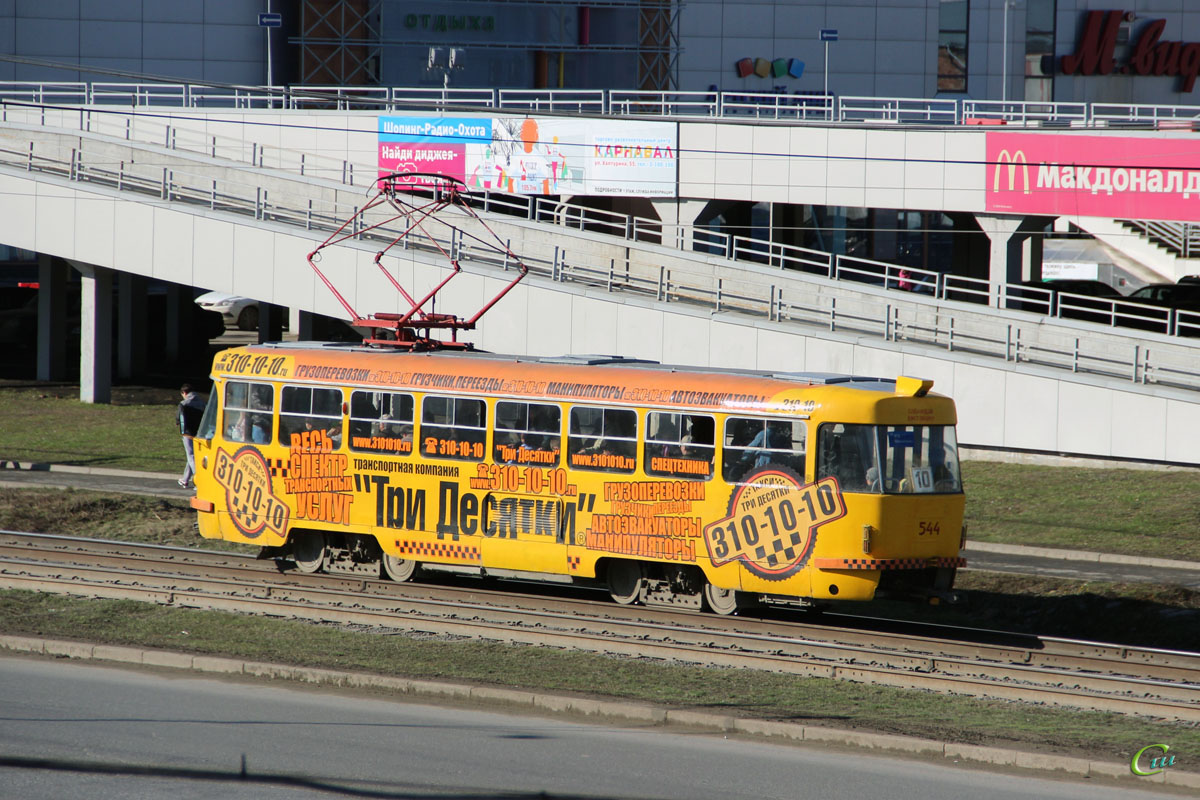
(978, 670)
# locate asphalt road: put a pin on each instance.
(75, 730)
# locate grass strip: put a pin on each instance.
(740, 692)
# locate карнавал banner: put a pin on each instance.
(535, 155)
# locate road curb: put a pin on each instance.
(606, 709)
(1078, 555)
(39, 466)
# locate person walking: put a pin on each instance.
(191, 409)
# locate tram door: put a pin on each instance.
(521, 515)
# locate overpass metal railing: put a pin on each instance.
(161, 131)
(705, 282)
(672, 104)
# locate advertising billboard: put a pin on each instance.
(535, 155)
(1120, 177)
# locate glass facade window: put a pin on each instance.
(1039, 51)
(952, 45)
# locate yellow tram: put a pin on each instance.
(667, 485)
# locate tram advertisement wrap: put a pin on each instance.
(252, 505)
(534, 155)
(772, 523)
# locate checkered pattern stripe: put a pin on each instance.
(782, 551)
(573, 562)
(887, 563)
(450, 550)
(278, 467)
(242, 511)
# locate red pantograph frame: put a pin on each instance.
(405, 328)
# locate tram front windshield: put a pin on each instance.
(889, 459)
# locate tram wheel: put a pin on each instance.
(721, 601)
(625, 580)
(308, 551)
(399, 569)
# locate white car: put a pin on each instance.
(237, 310)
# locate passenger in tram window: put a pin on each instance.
(775, 435)
(873, 483)
(237, 427)
(332, 429)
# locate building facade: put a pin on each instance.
(1128, 51)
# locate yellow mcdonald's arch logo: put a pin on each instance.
(1011, 160)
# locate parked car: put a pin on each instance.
(1184, 296)
(1043, 297)
(19, 319)
(237, 310)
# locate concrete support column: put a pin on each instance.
(270, 322)
(1009, 261)
(180, 318)
(95, 333)
(131, 325)
(52, 319)
(677, 217)
(302, 323)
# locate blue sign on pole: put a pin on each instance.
(270, 20)
(828, 34)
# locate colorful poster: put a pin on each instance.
(1120, 177)
(535, 155)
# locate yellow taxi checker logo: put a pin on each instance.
(253, 507)
(772, 523)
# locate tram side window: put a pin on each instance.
(453, 427)
(527, 433)
(754, 443)
(381, 422)
(247, 411)
(310, 418)
(679, 445)
(603, 439)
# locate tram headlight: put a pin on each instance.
(868, 532)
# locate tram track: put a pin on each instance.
(1051, 671)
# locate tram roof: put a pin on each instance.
(618, 370)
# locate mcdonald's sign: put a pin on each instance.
(1150, 176)
(1011, 160)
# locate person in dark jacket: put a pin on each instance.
(191, 409)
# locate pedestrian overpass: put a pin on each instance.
(234, 218)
